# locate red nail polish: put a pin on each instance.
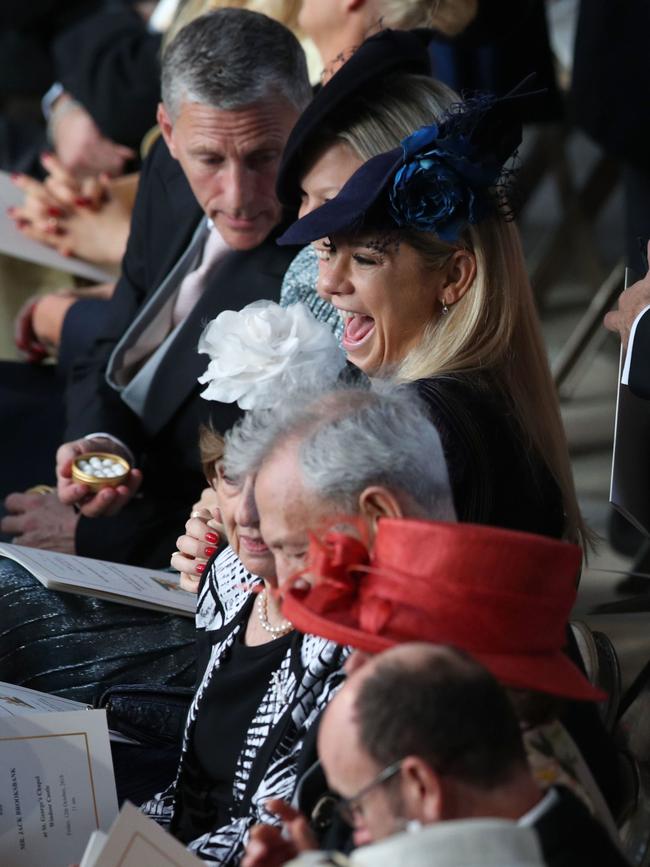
(82, 201)
(211, 537)
(200, 567)
(209, 551)
(23, 222)
(54, 212)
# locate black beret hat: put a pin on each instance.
(439, 180)
(398, 51)
(351, 206)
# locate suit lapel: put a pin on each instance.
(176, 211)
(238, 279)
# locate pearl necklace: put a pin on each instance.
(263, 616)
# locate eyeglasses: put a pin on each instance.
(349, 809)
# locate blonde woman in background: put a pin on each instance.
(338, 27)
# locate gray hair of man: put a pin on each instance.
(350, 438)
(232, 58)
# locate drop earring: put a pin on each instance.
(445, 309)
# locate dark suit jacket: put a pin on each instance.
(571, 837)
(109, 61)
(164, 219)
(611, 77)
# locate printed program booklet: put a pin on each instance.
(116, 582)
(17, 700)
(56, 785)
(136, 841)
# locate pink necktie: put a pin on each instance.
(193, 285)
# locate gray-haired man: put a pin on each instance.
(344, 456)
(202, 240)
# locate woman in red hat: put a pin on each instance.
(503, 596)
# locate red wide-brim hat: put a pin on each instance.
(502, 596)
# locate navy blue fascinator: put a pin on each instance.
(442, 177)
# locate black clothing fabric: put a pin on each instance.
(507, 41)
(610, 93)
(31, 403)
(109, 61)
(165, 217)
(82, 325)
(495, 478)
(387, 53)
(76, 646)
(238, 686)
(570, 837)
(583, 722)
(141, 771)
(50, 14)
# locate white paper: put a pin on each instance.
(136, 841)
(625, 377)
(56, 786)
(17, 700)
(129, 585)
(629, 488)
(14, 243)
(94, 848)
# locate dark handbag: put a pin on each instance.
(149, 715)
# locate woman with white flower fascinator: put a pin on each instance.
(263, 683)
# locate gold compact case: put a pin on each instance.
(100, 470)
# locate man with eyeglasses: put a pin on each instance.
(425, 752)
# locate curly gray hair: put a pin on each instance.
(350, 438)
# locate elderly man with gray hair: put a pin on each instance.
(202, 240)
(350, 456)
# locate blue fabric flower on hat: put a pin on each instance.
(440, 188)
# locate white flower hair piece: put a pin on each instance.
(260, 353)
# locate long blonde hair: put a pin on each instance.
(448, 16)
(284, 11)
(494, 330)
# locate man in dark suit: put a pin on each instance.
(202, 240)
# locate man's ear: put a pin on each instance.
(421, 791)
(376, 502)
(166, 128)
(460, 276)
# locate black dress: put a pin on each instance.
(495, 478)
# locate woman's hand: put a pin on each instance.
(195, 547)
(88, 219)
(107, 501)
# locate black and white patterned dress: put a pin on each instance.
(299, 689)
